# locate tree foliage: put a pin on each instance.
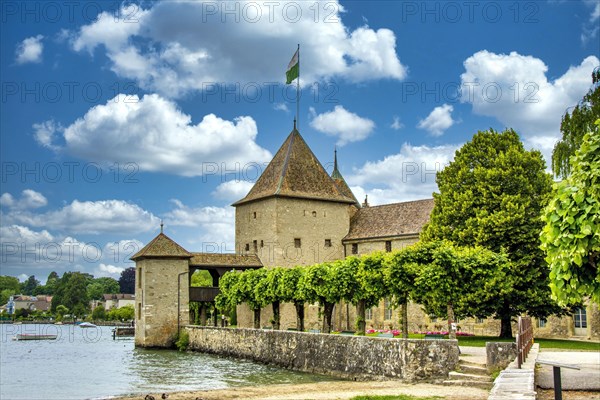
(571, 235)
(574, 126)
(492, 195)
(71, 292)
(370, 285)
(127, 281)
(30, 285)
(9, 285)
(101, 286)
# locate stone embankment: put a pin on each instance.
(350, 357)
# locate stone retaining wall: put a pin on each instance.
(352, 357)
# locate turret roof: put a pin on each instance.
(161, 246)
(295, 172)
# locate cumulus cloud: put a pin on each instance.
(46, 132)
(107, 270)
(438, 120)
(232, 190)
(407, 175)
(30, 50)
(590, 28)
(396, 124)
(345, 125)
(214, 224)
(515, 90)
(177, 47)
(154, 134)
(29, 199)
(90, 217)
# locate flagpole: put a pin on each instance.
(298, 92)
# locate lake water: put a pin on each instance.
(88, 364)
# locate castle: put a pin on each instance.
(295, 214)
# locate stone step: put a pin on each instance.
(477, 384)
(453, 375)
(472, 369)
(463, 361)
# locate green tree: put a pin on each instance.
(245, 293)
(9, 285)
(127, 281)
(571, 235)
(201, 278)
(61, 311)
(400, 274)
(101, 286)
(29, 286)
(371, 286)
(228, 298)
(492, 195)
(290, 292)
(574, 126)
(50, 286)
(71, 291)
(99, 313)
(269, 289)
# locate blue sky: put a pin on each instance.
(117, 115)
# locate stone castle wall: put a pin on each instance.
(353, 357)
(157, 298)
(275, 224)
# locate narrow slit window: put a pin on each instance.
(297, 243)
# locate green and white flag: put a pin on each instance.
(293, 69)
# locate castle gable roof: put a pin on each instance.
(225, 260)
(340, 182)
(397, 219)
(161, 246)
(296, 172)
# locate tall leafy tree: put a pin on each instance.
(492, 195)
(574, 126)
(270, 290)
(290, 291)
(571, 235)
(30, 285)
(71, 292)
(246, 293)
(371, 286)
(400, 272)
(50, 286)
(9, 285)
(100, 286)
(127, 281)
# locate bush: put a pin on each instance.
(183, 341)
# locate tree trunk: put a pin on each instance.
(505, 324)
(276, 315)
(299, 316)
(451, 332)
(327, 314)
(202, 314)
(361, 323)
(405, 320)
(256, 318)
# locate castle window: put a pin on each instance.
(305, 212)
(541, 322)
(369, 313)
(140, 277)
(354, 248)
(388, 245)
(254, 214)
(580, 317)
(297, 243)
(387, 309)
(314, 213)
(255, 245)
(139, 313)
(247, 246)
(262, 244)
(480, 320)
(327, 242)
(324, 213)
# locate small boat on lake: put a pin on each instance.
(87, 325)
(33, 336)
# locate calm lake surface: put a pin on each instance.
(89, 364)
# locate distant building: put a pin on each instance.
(31, 303)
(118, 300)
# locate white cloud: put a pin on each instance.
(590, 28)
(281, 107)
(396, 124)
(29, 199)
(438, 120)
(90, 217)
(177, 47)
(407, 175)
(346, 126)
(45, 134)
(515, 90)
(30, 50)
(214, 224)
(232, 190)
(154, 134)
(107, 270)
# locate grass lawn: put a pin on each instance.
(479, 341)
(397, 397)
